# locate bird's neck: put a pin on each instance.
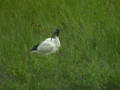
(57, 41)
(56, 37)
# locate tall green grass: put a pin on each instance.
(89, 57)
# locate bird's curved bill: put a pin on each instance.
(53, 35)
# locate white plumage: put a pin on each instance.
(49, 45)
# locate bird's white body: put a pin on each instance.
(48, 46)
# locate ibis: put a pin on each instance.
(49, 45)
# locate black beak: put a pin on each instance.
(53, 34)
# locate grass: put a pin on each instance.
(89, 57)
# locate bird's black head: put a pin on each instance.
(56, 33)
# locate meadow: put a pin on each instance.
(89, 57)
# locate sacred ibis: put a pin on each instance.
(49, 45)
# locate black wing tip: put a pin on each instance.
(35, 47)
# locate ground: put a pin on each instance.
(89, 57)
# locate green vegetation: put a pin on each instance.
(89, 57)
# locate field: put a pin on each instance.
(89, 57)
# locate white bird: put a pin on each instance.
(49, 45)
